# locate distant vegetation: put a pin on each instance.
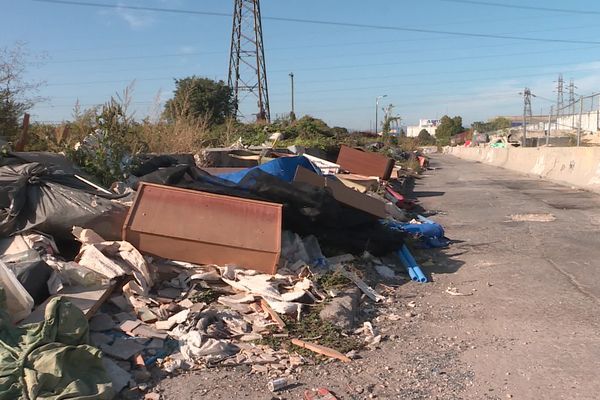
(425, 138)
(492, 125)
(447, 128)
(106, 139)
(17, 93)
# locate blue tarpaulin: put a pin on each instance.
(284, 168)
(430, 233)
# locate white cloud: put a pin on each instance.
(135, 19)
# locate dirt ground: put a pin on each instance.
(526, 326)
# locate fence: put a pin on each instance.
(574, 120)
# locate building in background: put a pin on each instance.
(430, 125)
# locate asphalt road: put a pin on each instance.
(533, 317)
(525, 327)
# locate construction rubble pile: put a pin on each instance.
(228, 258)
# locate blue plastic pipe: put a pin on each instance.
(409, 269)
(413, 263)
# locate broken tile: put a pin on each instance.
(101, 322)
(197, 307)
(98, 338)
(118, 376)
(126, 365)
(169, 293)
(187, 303)
(164, 325)
(148, 332)
(180, 317)
(124, 316)
(141, 340)
(128, 326)
(147, 316)
(156, 344)
(122, 349)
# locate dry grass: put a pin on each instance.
(183, 134)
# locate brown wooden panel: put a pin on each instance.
(342, 193)
(205, 228)
(365, 163)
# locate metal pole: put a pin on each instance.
(549, 125)
(293, 111)
(376, 112)
(579, 126)
(524, 139)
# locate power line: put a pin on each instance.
(521, 7)
(379, 77)
(313, 45)
(400, 86)
(350, 66)
(133, 57)
(349, 79)
(420, 61)
(188, 54)
(324, 22)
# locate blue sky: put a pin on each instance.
(92, 53)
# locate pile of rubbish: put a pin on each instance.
(228, 258)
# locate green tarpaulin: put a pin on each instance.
(51, 360)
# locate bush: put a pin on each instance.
(109, 152)
(425, 138)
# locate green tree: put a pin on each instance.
(492, 125)
(196, 97)
(447, 128)
(424, 138)
(500, 123)
(17, 95)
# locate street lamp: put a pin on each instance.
(377, 109)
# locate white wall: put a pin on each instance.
(413, 131)
(590, 122)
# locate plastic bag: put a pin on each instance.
(19, 302)
(34, 196)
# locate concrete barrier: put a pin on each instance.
(575, 166)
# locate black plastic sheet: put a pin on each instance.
(35, 196)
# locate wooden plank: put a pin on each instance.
(274, 316)
(365, 163)
(317, 348)
(342, 193)
(87, 300)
